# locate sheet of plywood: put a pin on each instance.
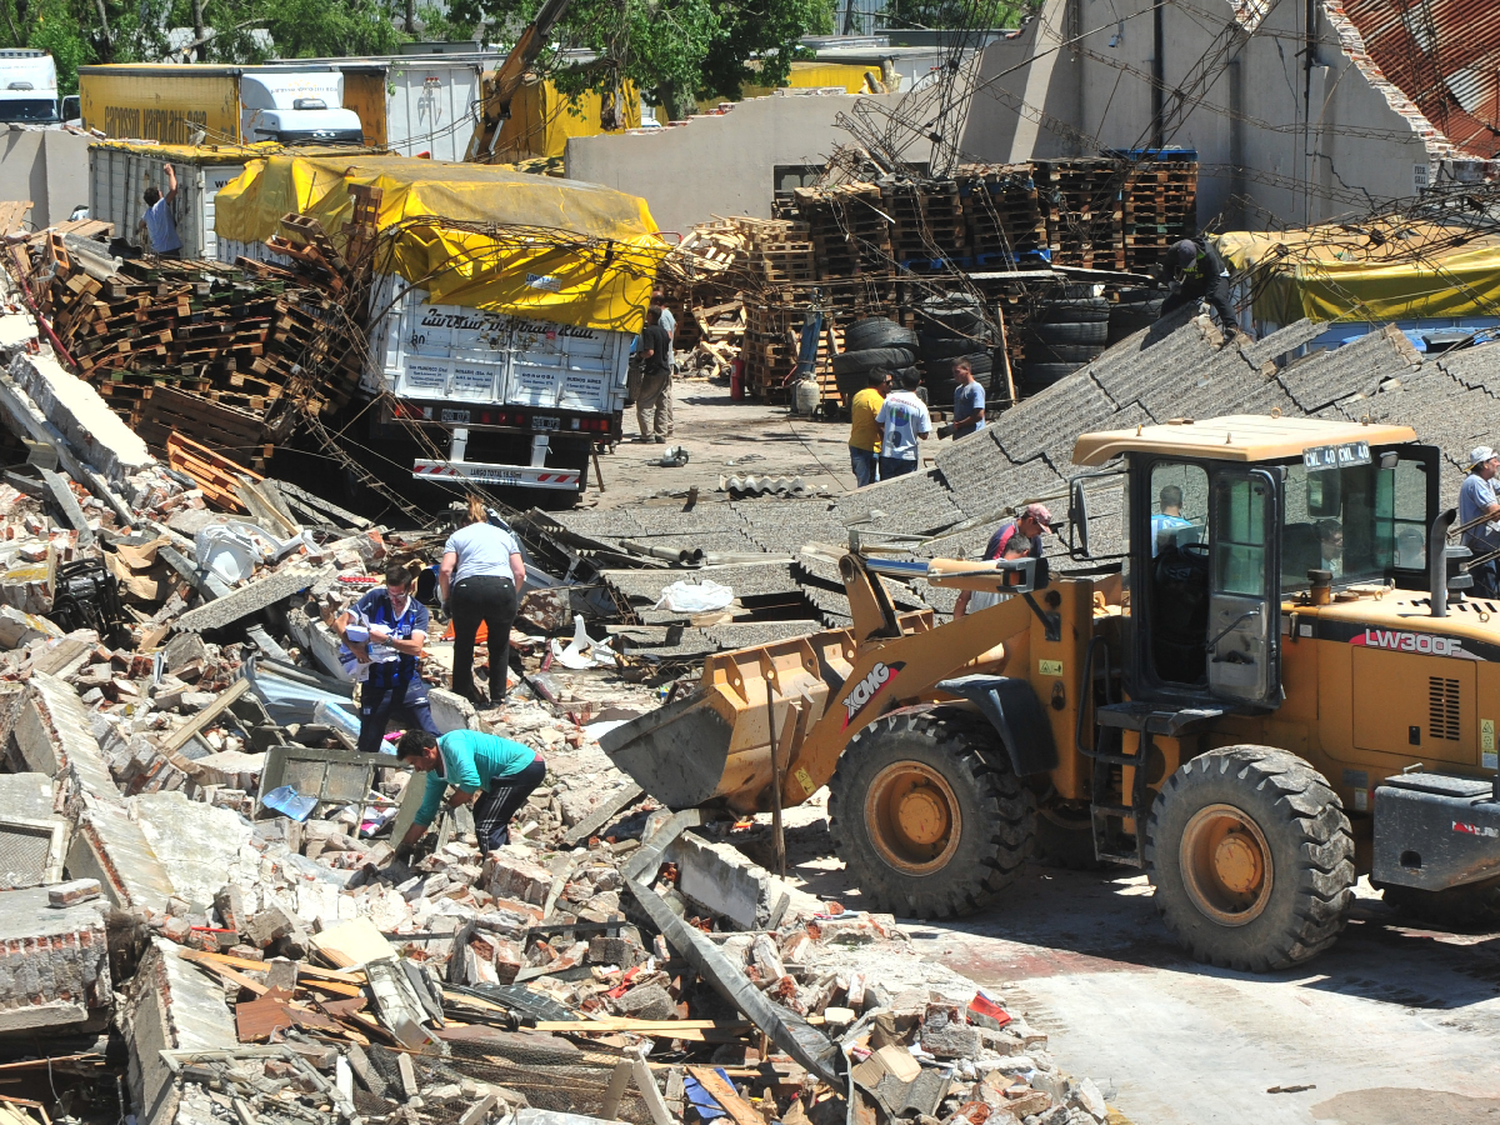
(353, 943)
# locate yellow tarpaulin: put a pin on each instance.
(471, 235)
(1415, 271)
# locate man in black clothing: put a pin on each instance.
(1197, 273)
(655, 395)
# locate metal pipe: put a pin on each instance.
(692, 556)
(1437, 561)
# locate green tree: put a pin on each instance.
(940, 14)
(674, 51)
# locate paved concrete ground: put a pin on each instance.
(1394, 1026)
(759, 439)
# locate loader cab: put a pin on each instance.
(1220, 548)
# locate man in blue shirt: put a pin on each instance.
(1169, 520)
(968, 400)
(1477, 500)
(396, 624)
(161, 227)
(906, 422)
(495, 773)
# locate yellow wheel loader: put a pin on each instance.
(1281, 684)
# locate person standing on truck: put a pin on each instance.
(1479, 501)
(480, 579)
(1014, 539)
(864, 433)
(968, 400)
(495, 773)
(160, 226)
(395, 629)
(906, 421)
(654, 399)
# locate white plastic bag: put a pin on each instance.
(695, 597)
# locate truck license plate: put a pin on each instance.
(494, 476)
(454, 416)
(545, 422)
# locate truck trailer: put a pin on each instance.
(501, 317)
(191, 104)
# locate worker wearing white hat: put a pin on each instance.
(1477, 499)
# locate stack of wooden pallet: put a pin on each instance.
(1081, 202)
(927, 229)
(1003, 216)
(776, 251)
(228, 354)
(851, 235)
(1160, 205)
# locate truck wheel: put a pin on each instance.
(928, 816)
(1459, 908)
(1252, 858)
(1065, 839)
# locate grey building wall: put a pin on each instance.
(720, 165)
(1302, 136)
(50, 167)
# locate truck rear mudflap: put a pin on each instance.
(1434, 831)
(446, 472)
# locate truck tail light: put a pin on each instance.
(407, 410)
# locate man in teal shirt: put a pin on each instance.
(495, 773)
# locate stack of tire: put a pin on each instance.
(950, 328)
(1133, 310)
(1061, 336)
(868, 344)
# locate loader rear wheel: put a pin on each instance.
(928, 815)
(1252, 858)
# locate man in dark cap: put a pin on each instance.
(1197, 273)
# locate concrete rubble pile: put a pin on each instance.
(168, 677)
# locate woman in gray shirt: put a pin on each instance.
(480, 579)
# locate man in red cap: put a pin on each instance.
(1013, 539)
(1197, 273)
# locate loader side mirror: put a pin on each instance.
(1078, 516)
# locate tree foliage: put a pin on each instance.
(943, 14)
(674, 51)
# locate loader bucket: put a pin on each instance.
(715, 745)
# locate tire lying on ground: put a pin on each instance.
(1071, 309)
(871, 358)
(946, 347)
(877, 332)
(1076, 354)
(927, 814)
(1252, 858)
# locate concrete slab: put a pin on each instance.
(95, 432)
(54, 964)
(259, 594)
(719, 878)
(107, 845)
(169, 1005)
(198, 844)
(54, 736)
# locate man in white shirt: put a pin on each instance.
(906, 421)
(1477, 499)
(161, 227)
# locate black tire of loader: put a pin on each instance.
(997, 813)
(1311, 857)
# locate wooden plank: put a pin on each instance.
(181, 735)
(737, 1107)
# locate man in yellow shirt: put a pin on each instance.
(864, 433)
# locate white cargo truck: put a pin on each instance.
(119, 173)
(28, 89)
(508, 400)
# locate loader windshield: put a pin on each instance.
(1364, 522)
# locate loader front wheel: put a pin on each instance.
(928, 815)
(1252, 858)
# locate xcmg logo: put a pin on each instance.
(869, 687)
(1424, 643)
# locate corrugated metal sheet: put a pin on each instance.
(1442, 55)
